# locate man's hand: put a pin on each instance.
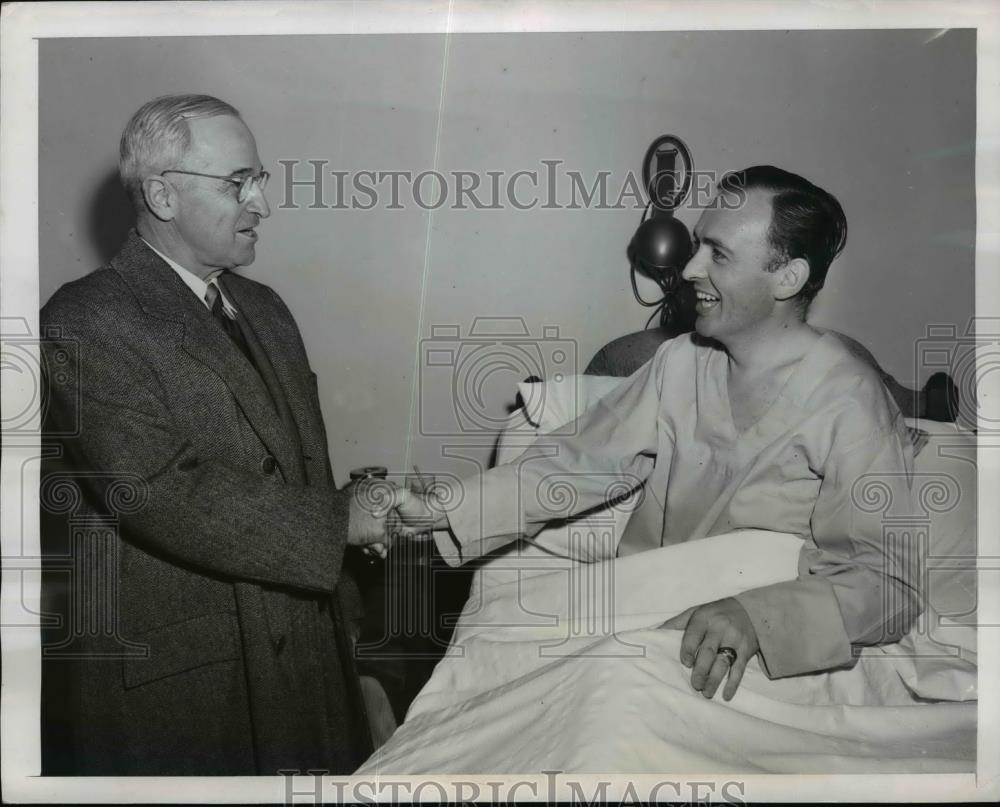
(723, 623)
(371, 501)
(415, 514)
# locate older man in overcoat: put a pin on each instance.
(226, 652)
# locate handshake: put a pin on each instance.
(382, 512)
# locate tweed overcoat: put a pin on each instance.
(220, 648)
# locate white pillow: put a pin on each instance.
(550, 405)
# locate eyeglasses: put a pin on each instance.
(244, 183)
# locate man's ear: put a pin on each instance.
(790, 278)
(160, 197)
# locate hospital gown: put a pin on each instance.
(828, 461)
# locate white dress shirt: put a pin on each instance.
(196, 284)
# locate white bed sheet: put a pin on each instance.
(558, 665)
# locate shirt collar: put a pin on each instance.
(195, 283)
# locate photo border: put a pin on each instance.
(23, 25)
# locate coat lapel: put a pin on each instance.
(273, 332)
(255, 316)
(163, 295)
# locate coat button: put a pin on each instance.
(268, 465)
(279, 645)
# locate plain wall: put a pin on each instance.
(883, 119)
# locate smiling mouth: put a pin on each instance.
(705, 301)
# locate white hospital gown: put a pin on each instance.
(829, 461)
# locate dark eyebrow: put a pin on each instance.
(712, 242)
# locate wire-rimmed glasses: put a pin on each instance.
(245, 183)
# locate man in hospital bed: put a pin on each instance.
(756, 421)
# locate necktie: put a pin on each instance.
(213, 297)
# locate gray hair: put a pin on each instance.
(157, 137)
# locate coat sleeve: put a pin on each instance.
(860, 572)
(605, 453)
(198, 510)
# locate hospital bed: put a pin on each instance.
(558, 661)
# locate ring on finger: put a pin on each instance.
(728, 653)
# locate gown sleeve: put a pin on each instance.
(859, 571)
(605, 453)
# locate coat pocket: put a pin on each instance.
(183, 646)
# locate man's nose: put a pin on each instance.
(258, 202)
(694, 268)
